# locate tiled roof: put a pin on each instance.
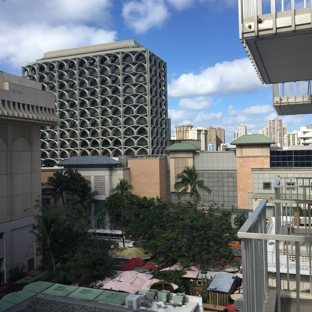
(182, 146)
(250, 139)
(89, 161)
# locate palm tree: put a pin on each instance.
(123, 191)
(74, 182)
(58, 182)
(43, 230)
(188, 183)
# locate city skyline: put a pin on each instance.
(211, 81)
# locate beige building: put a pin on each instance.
(24, 108)
(216, 137)
(291, 139)
(210, 138)
(252, 151)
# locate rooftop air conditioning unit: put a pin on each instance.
(178, 299)
(133, 302)
(151, 294)
(164, 295)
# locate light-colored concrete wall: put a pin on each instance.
(24, 107)
(148, 176)
(215, 160)
(19, 169)
(20, 188)
(248, 157)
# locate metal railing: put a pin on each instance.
(257, 16)
(283, 247)
(250, 8)
(292, 93)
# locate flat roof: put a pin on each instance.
(91, 49)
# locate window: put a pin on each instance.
(267, 185)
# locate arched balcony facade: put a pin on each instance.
(104, 102)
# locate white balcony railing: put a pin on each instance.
(292, 97)
(283, 247)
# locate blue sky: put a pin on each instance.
(211, 82)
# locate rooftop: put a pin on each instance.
(91, 49)
(252, 139)
(89, 161)
(182, 146)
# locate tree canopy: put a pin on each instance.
(175, 232)
(69, 252)
(71, 182)
(121, 195)
(188, 182)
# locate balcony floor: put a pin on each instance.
(282, 57)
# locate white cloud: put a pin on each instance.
(144, 14)
(41, 26)
(295, 120)
(55, 12)
(237, 76)
(22, 48)
(196, 103)
(252, 110)
(197, 119)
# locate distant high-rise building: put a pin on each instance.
(215, 136)
(242, 130)
(111, 100)
(291, 139)
(264, 131)
(206, 136)
(182, 132)
(305, 135)
(235, 134)
(276, 131)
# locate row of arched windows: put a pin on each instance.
(53, 157)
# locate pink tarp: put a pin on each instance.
(190, 272)
(129, 281)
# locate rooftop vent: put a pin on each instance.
(178, 299)
(151, 294)
(164, 295)
(133, 302)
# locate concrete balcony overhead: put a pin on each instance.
(277, 36)
(292, 98)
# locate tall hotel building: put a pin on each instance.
(111, 100)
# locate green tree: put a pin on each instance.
(188, 182)
(239, 219)
(174, 232)
(122, 193)
(69, 252)
(75, 181)
(58, 182)
(46, 224)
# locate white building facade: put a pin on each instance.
(305, 135)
